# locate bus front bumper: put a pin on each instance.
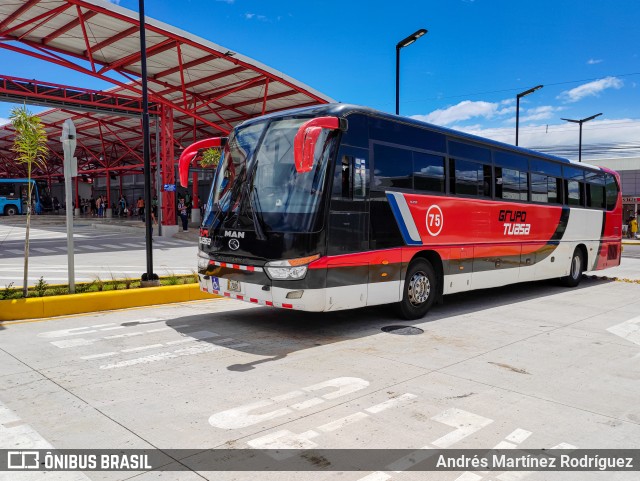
(264, 294)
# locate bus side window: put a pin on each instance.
(611, 188)
(574, 192)
(350, 179)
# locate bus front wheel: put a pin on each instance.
(420, 290)
(576, 269)
(10, 210)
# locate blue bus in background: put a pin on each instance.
(14, 194)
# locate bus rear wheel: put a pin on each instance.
(420, 290)
(10, 210)
(576, 269)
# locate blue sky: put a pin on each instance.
(464, 74)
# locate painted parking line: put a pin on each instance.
(17, 434)
(244, 416)
(189, 337)
(43, 250)
(163, 356)
(629, 330)
(285, 439)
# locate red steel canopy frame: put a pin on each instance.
(200, 89)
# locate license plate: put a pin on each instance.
(233, 286)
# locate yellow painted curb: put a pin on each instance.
(17, 309)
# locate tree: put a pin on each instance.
(30, 146)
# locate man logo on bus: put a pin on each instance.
(435, 220)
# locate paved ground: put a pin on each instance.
(532, 365)
(103, 252)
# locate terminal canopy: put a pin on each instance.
(207, 88)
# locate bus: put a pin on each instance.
(15, 192)
(339, 206)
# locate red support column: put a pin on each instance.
(168, 166)
(108, 195)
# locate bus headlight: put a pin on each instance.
(291, 269)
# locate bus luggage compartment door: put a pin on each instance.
(460, 270)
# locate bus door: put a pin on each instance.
(24, 196)
(348, 231)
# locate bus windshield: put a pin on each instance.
(257, 182)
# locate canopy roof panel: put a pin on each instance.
(210, 88)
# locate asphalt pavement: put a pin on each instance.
(525, 366)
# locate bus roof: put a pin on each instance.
(343, 110)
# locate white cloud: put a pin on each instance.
(4, 121)
(543, 112)
(594, 61)
(590, 89)
(615, 132)
(465, 110)
(251, 16)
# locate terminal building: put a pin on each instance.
(629, 170)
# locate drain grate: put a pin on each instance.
(403, 330)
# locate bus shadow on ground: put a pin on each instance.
(273, 334)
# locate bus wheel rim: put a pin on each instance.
(419, 289)
(575, 267)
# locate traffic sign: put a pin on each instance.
(169, 187)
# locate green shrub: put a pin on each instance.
(41, 287)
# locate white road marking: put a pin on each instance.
(99, 356)
(390, 403)
(15, 251)
(345, 385)
(629, 330)
(241, 417)
(162, 356)
(142, 348)
(287, 440)
(466, 423)
(518, 436)
(377, 476)
(67, 343)
(306, 404)
(90, 247)
(191, 337)
(43, 250)
(18, 435)
(510, 442)
(342, 422)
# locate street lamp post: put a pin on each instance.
(582, 121)
(149, 278)
(401, 44)
(518, 97)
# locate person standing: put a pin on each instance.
(182, 211)
(633, 227)
(140, 208)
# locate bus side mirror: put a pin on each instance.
(190, 152)
(304, 143)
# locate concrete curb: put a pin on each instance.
(52, 306)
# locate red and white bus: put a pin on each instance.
(338, 206)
